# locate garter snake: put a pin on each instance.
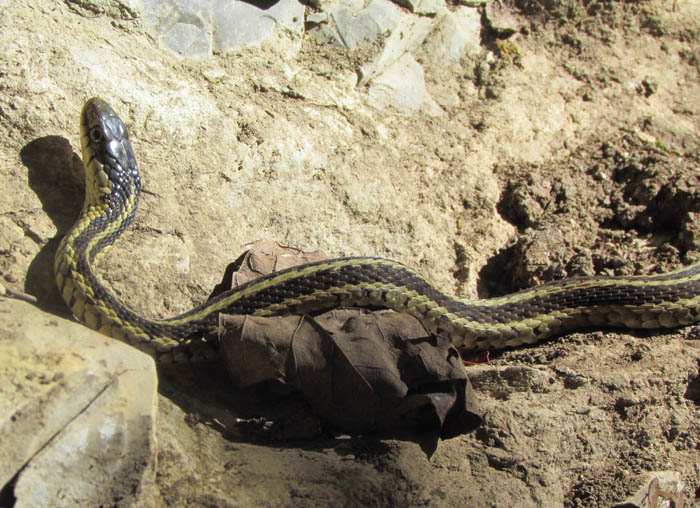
(111, 198)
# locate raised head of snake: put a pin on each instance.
(112, 181)
(112, 187)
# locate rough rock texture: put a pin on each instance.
(78, 414)
(570, 147)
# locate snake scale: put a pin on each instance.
(112, 184)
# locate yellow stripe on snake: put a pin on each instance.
(111, 198)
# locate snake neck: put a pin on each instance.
(77, 258)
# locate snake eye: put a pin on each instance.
(96, 134)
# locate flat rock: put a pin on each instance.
(357, 24)
(383, 27)
(240, 23)
(78, 411)
(201, 27)
(183, 26)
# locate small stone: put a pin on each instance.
(316, 18)
(214, 75)
(501, 20)
(658, 488)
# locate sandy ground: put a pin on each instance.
(576, 153)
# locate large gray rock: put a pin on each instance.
(359, 24)
(200, 27)
(370, 25)
(239, 23)
(391, 36)
(77, 413)
(183, 26)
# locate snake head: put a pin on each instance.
(111, 174)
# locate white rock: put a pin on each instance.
(405, 37)
(402, 85)
(316, 18)
(501, 19)
(657, 489)
(458, 34)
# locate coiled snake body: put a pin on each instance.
(112, 193)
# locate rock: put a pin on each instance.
(402, 86)
(408, 34)
(423, 7)
(377, 24)
(390, 35)
(658, 488)
(214, 75)
(239, 23)
(316, 18)
(356, 25)
(457, 35)
(182, 26)
(197, 28)
(78, 422)
(501, 19)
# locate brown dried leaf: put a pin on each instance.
(360, 370)
(268, 257)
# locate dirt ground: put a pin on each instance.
(576, 151)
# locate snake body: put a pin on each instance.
(111, 198)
